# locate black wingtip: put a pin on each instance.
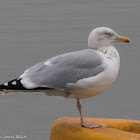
(13, 84)
(17, 85)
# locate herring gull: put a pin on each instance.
(80, 74)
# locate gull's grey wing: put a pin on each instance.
(60, 70)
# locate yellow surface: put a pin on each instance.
(112, 129)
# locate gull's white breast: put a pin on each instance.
(95, 85)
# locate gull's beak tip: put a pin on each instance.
(123, 39)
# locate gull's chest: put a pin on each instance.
(111, 71)
(98, 84)
(108, 76)
(105, 79)
(111, 59)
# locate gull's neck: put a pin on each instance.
(109, 51)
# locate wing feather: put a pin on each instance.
(60, 70)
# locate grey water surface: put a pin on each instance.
(35, 30)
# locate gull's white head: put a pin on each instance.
(103, 37)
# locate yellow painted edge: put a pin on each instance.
(70, 129)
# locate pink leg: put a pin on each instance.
(85, 124)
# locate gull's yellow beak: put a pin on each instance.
(123, 39)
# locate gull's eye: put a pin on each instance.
(108, 34)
